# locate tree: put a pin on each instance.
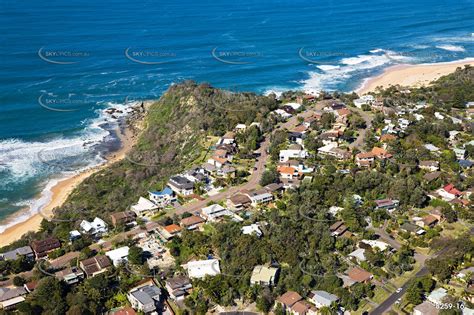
(135, 255)
(19, 281)
(414, 294)
(269, 176)
(49, 296)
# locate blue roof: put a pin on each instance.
(465, 163)
(166, 191)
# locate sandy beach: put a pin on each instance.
(412, 75)
(63, 188)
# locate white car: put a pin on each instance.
(399, 290)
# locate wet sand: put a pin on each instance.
(63, 188)
(412, 75)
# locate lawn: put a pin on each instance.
(380, 295)
(402, 279)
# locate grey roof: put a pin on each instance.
(324, 297)
(147, 295)
(178, 282)
(182, 182)
(7, 293)
(15, 253)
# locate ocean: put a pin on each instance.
(64, 62)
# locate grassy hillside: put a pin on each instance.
(173, 140)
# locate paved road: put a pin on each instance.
(387, 304)
(367, 117)
(252, 183)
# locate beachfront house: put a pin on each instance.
(24, 251)
(41, 248)
(124, 217)
(95, 228)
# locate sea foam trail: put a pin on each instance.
(53, 160)
(329, 76)
(454, 48)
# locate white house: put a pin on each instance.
(258, 197)
(214, 212)
(437, 296)
(295, 106)
(162, 198)
(282, 113)
(119, 255)
(322, 298)
(200, 268)
(143, 206)
(252, 229)
(294, 152)
(364, 100)
(264, 275)
(382, 246)
(96, 227)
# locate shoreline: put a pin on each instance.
(62, 188)
(411, 75)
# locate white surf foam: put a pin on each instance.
(332, 75)
(454, 48)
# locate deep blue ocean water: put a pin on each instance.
(64, 62)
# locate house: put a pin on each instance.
(295, 151)
(238, 202)
(437, 296)
(332, 150)
(431, 176)
(358, 254)
(338, 228)
(240, 128)
(425, 308)
(428, 221)
(380, 153)
(71, 275)
(118, 256)
(302, 308)
(288, 299)
(30, 286)
(226, 171)
(95, 265)
(170, 231)
(357, 274)
(43, 247)
(200, 268)
(364, 159)
(429, 165)
(252, 229)
(145, 298)
(379, 245)
(95, 228)
(409, 228)
(264, 276)
(465, 163)
(193, 222)
(218, 162)
(448, 192)
(74, 235)
(143, 206)
(466, 274)
(124, 217)
(295, 106)
(228, 138)
(322, 298)
(181, 185)
(283, 114)
(274, 188)
(432, 148)
(460, 153)
(178, 287)
(288, 172)
(364, 100)
(163, 197)
(215, 212)
(387, 204)
(258, 197)
(24, 251)
(11, 297)
(127, 310)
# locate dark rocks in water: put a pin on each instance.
(114, 117)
